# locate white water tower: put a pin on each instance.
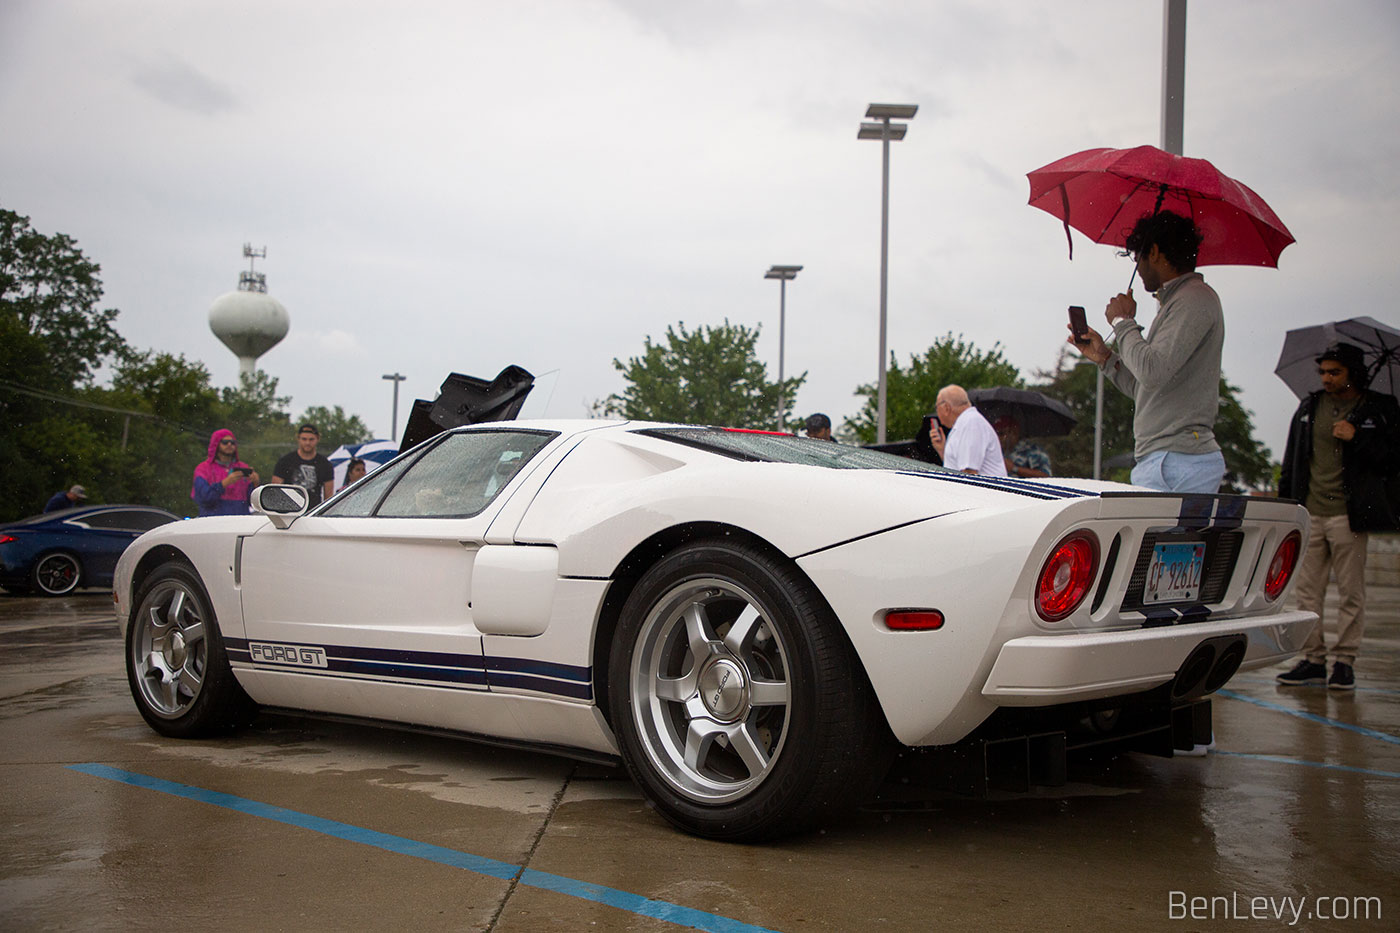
(249, 321)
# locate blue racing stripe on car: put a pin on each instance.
(1196, 511)
(388, 669)
(1034, 490)
(533, 666)
(579, 691)
(1229, 513)
(396, 665)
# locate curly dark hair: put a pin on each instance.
(1176, 236)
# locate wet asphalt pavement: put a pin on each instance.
(297, 824)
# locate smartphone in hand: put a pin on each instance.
(1078, 325)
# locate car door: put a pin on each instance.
(375, 587)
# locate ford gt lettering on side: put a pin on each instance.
(753, 623)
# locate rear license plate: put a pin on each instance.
(1174, 573)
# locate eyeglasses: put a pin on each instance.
(227, 440)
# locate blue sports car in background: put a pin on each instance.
(58, 552)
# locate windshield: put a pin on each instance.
(788, 448)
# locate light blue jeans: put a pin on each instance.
(1169, 471)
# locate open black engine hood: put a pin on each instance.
(467, 400)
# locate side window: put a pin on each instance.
(360, 502)
(462, 475)
(124, 520)
(145, 521)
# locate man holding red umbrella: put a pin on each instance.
(1173, 372)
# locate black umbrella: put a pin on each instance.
(1039, 414)
(1297, 364)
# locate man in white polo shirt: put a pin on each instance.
(971, 444)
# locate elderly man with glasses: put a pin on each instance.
(970, 444)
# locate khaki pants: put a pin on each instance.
(1333, 546)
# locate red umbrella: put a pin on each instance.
(1103, 192)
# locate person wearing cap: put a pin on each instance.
(222, 483)
(1024, 458)
(819, 426)
(65, 498)
(1343, 450)
(306, 468)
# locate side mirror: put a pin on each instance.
(282, 504)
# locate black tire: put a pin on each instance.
(56, 573)
(737, 702)
(175, 660)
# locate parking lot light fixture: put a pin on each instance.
(395, 378)
(885, 131)
(783, 274)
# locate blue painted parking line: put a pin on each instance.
(1273, 682)
(611, 897)
(1284, 760)
(1312, 717)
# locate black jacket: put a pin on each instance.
(1370, 461)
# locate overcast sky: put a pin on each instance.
(462, 186)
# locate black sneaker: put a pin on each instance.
(1343, 678)
(1305, 672)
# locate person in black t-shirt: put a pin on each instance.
(306, 468)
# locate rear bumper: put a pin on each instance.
(1038, 670)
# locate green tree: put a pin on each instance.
(910, 393)
(50, 291)
(710, 375)
(136, 440)
(259, 417)
(1247, 463)
(155, 456)
(52, 339)
(1076, 385)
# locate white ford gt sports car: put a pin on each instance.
(754, 623)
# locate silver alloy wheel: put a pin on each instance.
(710, 690)
(169, 649)
(57, 574)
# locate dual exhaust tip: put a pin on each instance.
(1209, 667)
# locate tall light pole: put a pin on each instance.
(885, 131)
(1098, 415)
(1173, 73)
(396, 378)
(783, 274)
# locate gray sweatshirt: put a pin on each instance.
(1173, 374)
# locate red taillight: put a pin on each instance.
(1067, 575)
(6, 539)
(1281, 567)
(914, 620)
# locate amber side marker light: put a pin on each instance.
(1281, 567)
(1067, 576)
(911, 620)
